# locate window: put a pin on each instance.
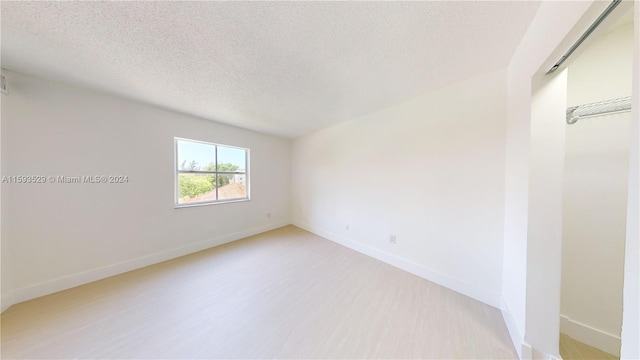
(210, 173)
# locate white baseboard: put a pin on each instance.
(516, 337)
(581, 332)
(527, 351)
(439, 278)
(589, 335)
(77, 279)
(6, 301)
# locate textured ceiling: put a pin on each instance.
(285, 68)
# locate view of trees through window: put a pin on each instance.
(210, 172)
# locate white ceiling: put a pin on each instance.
(285, 68)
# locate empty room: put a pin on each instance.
(320, 180)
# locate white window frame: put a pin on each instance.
(177, 171)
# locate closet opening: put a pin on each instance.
(595, 190)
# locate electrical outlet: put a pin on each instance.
(347, 227)
(3, 85)
(269, 215)
(392, 239)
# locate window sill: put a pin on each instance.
(188, 205)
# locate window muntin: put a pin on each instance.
(208, 173)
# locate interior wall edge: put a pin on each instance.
(63, 283)
(630, 348)
(590, 335)
(452, 283)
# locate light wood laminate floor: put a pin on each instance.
(572, 349)
(286, 293)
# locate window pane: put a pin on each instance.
(232, 186)
(195, 156)
(194, 188)
(231, 159)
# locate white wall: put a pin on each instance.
(525, 299)
(595, 195)
(4, 259)
(62, 235)
(544, 231)
(604, 69)
(631, 300)
(429, 170)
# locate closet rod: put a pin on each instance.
(586, 34)
(574, 113)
